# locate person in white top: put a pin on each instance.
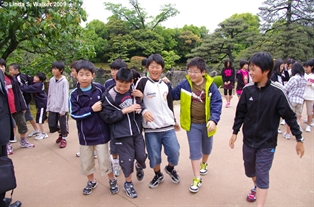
(309, 92)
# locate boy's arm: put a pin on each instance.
(76, 111)
(34, 88)
(65, 92)
(240, 80)
(48, 97)
(215, 104)
(109, 113)
(289, 85)
(240, 112)
(175, 92)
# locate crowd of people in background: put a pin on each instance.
(114, 119)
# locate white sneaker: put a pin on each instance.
(308, 128)
(287, 135)
(14, 140)
(312, 124)
(116, 169)
(34, 133)
(41, 136)
(283, 122)
(78, 154)
(279, 131)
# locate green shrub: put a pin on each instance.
(136, 61)
(218, 81)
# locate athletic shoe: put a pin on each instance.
(283, 122)
(279, 131)
(129, 190)
(116, 169)
(59, 139)
(175, 178)
(89, 187)
(63, 143)
(227, 104)
(156, 180)
(312, 124)
(251, 197)
(139, 172)
(34, 133)
(25, 144)
(14, 140)
(41, 136)
(308, 128)
(204, 168)
(114, 188)
(286, 135)
(196, 184)
(78, 154)
(9, 149)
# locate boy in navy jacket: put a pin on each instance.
(93, 132)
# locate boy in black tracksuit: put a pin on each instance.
(259, 109)
(122, 113)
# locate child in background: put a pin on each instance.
(295, 88)
(123, 114)
(93, 132)
(242, 77)
(309, 93)
(228, 79)
(259, 109)
(57, 103)
(40, 96)
(114, 67)
(201, 104)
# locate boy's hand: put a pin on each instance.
(97, 106)
(211, 125)
(165, 79)
(300, 149)
(131, 108)
(177, 127)
(148, 116)
(137, 93)
(232, 141)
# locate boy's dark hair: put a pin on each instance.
(198, 62)
(15, 66)
(226, 63)
(157, 58)
(42, 76)
(297, 68)
(309, 63)
(243, 62)
(277, 65)
(136, 75)
(59, 65)
(3, 62)
(144, 60)
(73, 64)
(117, 64)
(124, 75)
(290, 61)
(86, 65)
(264, 61)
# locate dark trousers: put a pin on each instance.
(53, 120)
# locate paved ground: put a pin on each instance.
(50, 176)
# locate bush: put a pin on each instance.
(218, 81)
(136, 62)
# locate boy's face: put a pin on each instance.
(113, 73)
(154, 70)
(122, 87)
(12, 71)
(85, 78)
(36, 79)
(257, 75)
(56, 72)
(195, 74)
(74, 73)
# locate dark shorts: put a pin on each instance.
(41, 115)
(257, 163)
(227, 92)
(130, 149)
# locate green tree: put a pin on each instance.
(136, 17)
(169, 58)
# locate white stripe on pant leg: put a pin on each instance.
(41, 114)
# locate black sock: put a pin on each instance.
(170, 168)
(158, 172)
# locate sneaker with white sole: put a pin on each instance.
(25, 144)
(41, 136)
(116, 169)
(89, 187)
(175, 178)
(279, 131)
(129, 190)
(196, 184)
(283, 122)
(204, 168)
(34, 133)
(312, 124)
(308, 128)
(158, 178)
(286, 135)
(14, 140)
